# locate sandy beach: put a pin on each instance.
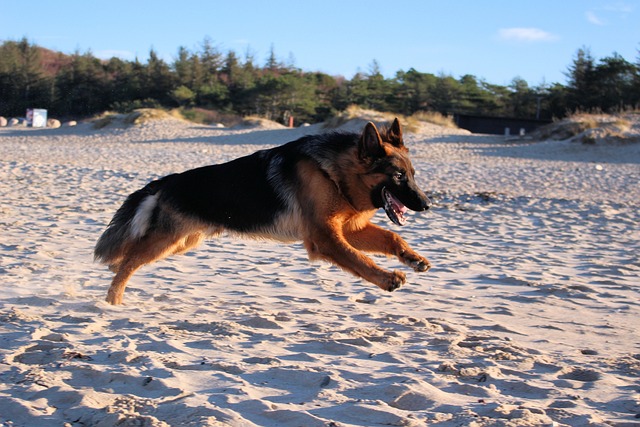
(529, 316)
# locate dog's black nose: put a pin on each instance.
(426, 203)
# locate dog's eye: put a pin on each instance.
(399, 176)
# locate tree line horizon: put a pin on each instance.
(80, 85)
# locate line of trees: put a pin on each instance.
(81, 85)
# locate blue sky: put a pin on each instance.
(495, 40)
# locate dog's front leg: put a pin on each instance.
(375, 239)
(331, 246)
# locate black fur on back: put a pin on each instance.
(247, 193)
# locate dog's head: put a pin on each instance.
(390, 174)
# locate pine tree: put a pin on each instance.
(582, 82)
(23, 83)
(182, 68)
(159, 80)
(615, 79)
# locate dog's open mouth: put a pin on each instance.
(394, 208)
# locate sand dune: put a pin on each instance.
(530, 315)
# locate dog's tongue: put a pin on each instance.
(394, 208)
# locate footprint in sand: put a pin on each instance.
(580, 374)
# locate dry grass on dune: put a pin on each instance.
(433, 117)
(411, 124)
(590, 128)
(147, 115)
(136, 117)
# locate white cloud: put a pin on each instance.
(525, 35)
(593, 18)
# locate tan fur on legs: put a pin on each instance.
(375, 239)
(189, 242)
(332, 247)
(119, 282)
(147, 250)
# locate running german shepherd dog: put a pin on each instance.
(321, 189)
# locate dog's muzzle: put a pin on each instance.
(394, 208)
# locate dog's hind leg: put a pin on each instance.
(145, 251)
(119, 282)
(188, 242)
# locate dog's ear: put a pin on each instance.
(370, 144)
(394, 134)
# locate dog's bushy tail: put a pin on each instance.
(130, 222)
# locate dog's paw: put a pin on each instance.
(421, 265)
(395, 280)
(113, 298)
(416, 262)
